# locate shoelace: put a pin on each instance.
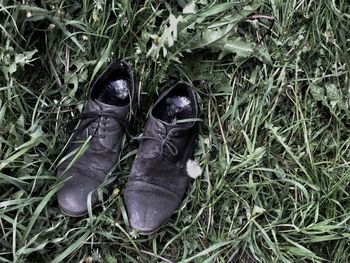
(164, 143)
(92, 116)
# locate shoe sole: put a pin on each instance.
(73, 215)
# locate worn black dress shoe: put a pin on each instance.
(158, 178)
(101, 129)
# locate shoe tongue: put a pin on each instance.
(99, 105)
(165, 126)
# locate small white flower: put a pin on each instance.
(51, 27)
(125, 22)
(193, 169)
(138, 50)
(98, 4)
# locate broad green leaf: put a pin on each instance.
(25, 57)
(210, 36)
(190, 8)
(334, 95)
(216, 9)
(317, 92)
(239, 47)
(170, 33)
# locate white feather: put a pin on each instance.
(193, 169)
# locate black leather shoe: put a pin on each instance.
(102, 127)
(158, 178)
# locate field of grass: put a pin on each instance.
(274, 93)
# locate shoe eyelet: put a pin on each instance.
(156, 149)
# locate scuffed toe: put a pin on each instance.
(148, 209)
(72, 197)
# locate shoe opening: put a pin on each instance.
(177, 106)
(114, 86)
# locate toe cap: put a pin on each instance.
(72, 197)
(149, 207)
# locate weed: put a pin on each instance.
(273, 82)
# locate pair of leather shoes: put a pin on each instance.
(158, 178)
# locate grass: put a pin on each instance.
(273, 82)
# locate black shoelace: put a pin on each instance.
(164, 143)
(92, 116)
